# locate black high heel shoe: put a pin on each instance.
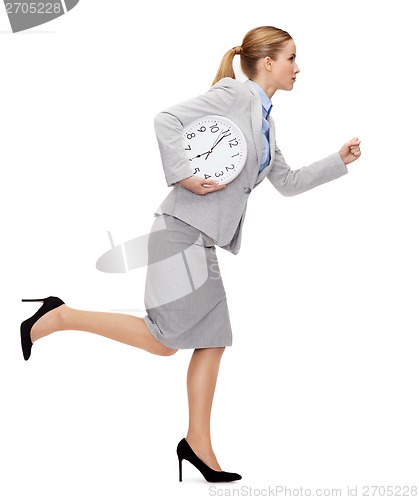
(49, 304)
(185, 452)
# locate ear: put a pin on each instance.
(267, 63)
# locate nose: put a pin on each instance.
(297, 69)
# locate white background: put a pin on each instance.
(319, 389)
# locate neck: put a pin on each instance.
(269, 90)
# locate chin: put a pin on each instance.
(287, 89)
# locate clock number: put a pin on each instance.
(196, 170)
(190, 136)
(230, 168)
(220, 174)
(214, 129)
(207, 176)
(188, 148)
(233, 142)
(202, 129)
(237, 154)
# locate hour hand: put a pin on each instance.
(199, 156)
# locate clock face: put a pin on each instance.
(216, 148)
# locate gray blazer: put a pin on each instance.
(220, 214)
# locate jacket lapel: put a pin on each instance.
(256, 120)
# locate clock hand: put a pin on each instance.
(216, 143)
(199, 156)
(216, 140)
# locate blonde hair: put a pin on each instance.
(257, 43)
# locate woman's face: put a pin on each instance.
(278, 74)
(284, 69)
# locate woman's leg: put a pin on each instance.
(124, 328)
(201, 382)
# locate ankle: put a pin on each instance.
(199, 440)
(62, 317)
(200, 445)
(51, 322)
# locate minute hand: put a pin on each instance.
(215, 144)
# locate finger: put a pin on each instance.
(211, 181)
(215, 188)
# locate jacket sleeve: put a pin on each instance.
(169, 125)
(291, 182)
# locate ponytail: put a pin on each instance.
(226, 66)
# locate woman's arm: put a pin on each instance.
(169, 125)
(291, 182)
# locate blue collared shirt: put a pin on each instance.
(266, 109)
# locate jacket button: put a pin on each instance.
(247, 190)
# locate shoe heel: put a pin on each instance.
(34, 300)
(180, 470)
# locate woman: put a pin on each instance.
(196, 215)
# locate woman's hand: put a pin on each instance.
(350, 151)
(196, 185)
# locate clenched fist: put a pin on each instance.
(350, 151)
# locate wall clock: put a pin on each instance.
(216, 148)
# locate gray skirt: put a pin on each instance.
(184, 294)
